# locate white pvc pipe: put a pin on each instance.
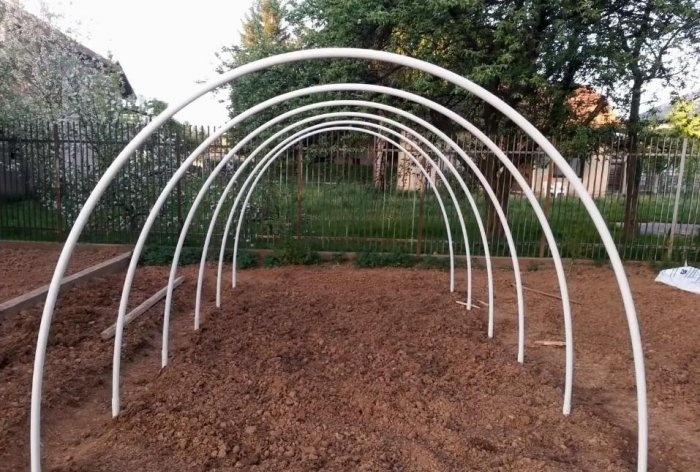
(472, 203)
(566, 306)
(422, 169)
(502, 218)
(383, 128)
(261, 164)
(173, 272)
(472, 166)
(438, 152)
(226, 159)
(346, 53)
(484, 182)
(306, 133)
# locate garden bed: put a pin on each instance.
(335, 368)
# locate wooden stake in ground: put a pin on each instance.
(141, 309)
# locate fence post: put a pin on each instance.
(421, 208)
(57, 180)
(300, 191)
(547, 197)
(178, 159)
(674, 220)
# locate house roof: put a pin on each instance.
(86, 53)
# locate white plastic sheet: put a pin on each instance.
(685, 278)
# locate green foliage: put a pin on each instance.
(46, 74)
(636, 44)
(685, 118)
(600, 261)
(400, 259)
(246, 259)
(155, 255)
(533, 266)
(163, 255)
(291, 253)
(338, 258)
(432, 262)
(274, 259)
(663, 264)
(372, 259)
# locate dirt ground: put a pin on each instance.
(335, 368)
(31, 265)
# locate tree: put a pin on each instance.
(85, 106)
(528, 53)
(45, 74)
(685, 119)
(263, 35)
(533, 54)
(638, 42)
(263, 25)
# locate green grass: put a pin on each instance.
(353, 217)
(348, 215)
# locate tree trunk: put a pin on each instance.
(500, 181)
(633, 170)
(378, 163)
(496, 175)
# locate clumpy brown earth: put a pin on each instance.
(335, 368)
(26, 266)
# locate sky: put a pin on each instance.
(164, 46)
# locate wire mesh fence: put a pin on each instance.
(344, 191)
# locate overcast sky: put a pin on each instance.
(164, 46)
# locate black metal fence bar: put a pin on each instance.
(341, 192)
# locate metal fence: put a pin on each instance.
(341, 192)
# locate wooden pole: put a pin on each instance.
(141, 309)
(545, 294)
(17, 304)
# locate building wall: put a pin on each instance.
(408, 175)
(594, 176)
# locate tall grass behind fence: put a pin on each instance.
(340, 192)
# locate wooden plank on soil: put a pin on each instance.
(545, 294)
(31, 298)
(550, 343)
(141, 309)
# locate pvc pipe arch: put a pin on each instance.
(91, 202)
(308, 132)
(318, 89)
(473, 167)
(549, 235)
(532, 200)
(295, 138)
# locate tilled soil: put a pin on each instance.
(29, 266)
(335, 368)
